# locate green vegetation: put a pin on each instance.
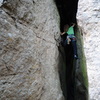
(82, 57)
(82, 71)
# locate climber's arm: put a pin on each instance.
(62, 33)
(73, 25)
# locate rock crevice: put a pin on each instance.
(73, 73)
(30, 54)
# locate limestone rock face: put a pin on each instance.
(29, 30)
(89, 22)
(1, 1)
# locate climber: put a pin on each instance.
(71, 37)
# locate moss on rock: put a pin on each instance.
(81, 77)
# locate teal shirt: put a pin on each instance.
(70, 31)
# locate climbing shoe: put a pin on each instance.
(75, 56)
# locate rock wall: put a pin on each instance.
(29, 30)
(89, 23)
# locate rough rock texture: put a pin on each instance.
(1, 1)
(29, 30)
(89, 22)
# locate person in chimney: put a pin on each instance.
(70, 38)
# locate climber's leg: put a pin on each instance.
(68, 40)
(74, 47)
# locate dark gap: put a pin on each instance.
(67, 11)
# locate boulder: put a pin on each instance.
(29, 57)
(88, 17)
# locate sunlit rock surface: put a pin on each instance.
(29, 30)
(89, 22)
(1, 1)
